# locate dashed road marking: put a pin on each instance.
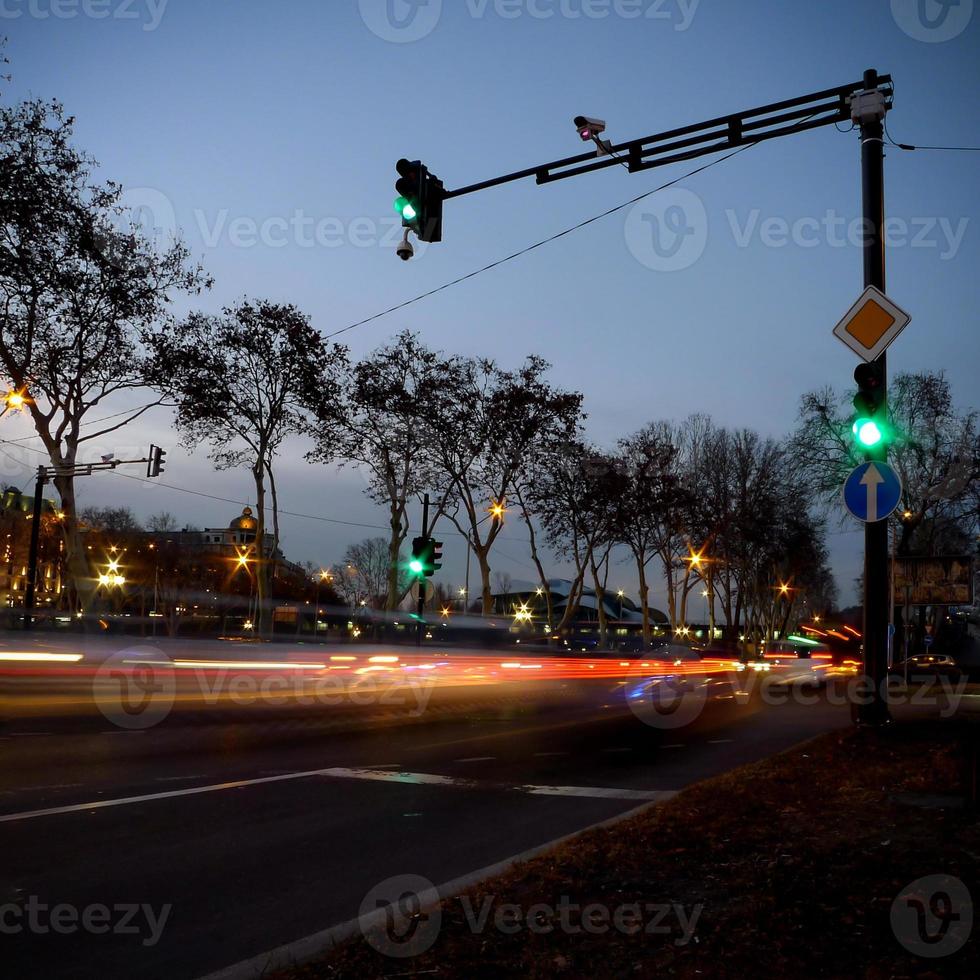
(478, 758)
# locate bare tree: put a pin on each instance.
(161, 523)
(645, 518)
(381, 423)
(242, 382)
(365, 571)
(79, 284)
(113, 519)
(575, 493)
(492, 423)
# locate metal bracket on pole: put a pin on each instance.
(767, 122)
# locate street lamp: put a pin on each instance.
(324, 576)
(621, 594)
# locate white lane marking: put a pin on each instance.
(600, 792)
(149, 797)
(719, 741)
(676, 745)
(177, 779)
(543, 755)
(479, 758)
(408, 778)
(404, 778)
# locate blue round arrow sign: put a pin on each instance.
(872, 492)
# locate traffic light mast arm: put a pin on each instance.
(688, 142)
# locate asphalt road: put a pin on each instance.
(226, 840)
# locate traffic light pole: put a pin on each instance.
(864, 102)
(42, 479)
(420, 626)
(877, 614)
(44, 475)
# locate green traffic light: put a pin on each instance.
(405, 208)
(416, 566)
(868, 432)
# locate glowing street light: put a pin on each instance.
(522, 614)
(497, 510)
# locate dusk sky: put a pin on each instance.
(268, 133)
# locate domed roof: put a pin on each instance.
(244, 523)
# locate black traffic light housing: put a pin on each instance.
(420, 198)
(154, 465)
(426, 557)
(870, 426)
(870, 397)
(420, 559)
(435, 557)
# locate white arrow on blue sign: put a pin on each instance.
(872, 492)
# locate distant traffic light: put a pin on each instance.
(154, 465)
(870, 426)
(419, 200)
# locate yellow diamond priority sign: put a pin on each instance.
(871, 324)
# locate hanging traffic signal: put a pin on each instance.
(870, 426)
(435, 558)
(419, 200)
(154, 464)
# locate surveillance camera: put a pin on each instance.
(405, 249)
(589, 128)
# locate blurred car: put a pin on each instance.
(800, 660)
(925, 666)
